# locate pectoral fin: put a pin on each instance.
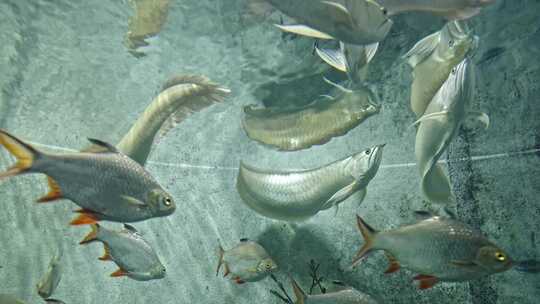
(303, 30)
(133, 201)
(341, 195)
(430, 116)
(423, 49)
(480, 116)
(465, 264)
(333, 57)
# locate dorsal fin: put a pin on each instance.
(244, 240)
(99, 146)
(130, 228)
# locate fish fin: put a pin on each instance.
(462, 14)
(131, 228)
(54, 193)
(107, 253)
(371, 50)
(239, 281)
(221, 252)
(422, 214)
(336, 210)
(422, 49)
(341, 195)
(244, 239)
(426, 281)
(119, 273)
(303, 30)
(133, 201)
(227, 271)
(463, 263)
(394, 264)
(92, 236)
(333, 57)
(369, 235)
(429, 116)
(479, 116)
(54, 301)
(339, 12)
(99, 146)
(24, 153)
(298, 292)
(338, 86)
(86, 217)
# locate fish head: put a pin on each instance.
(158, 272)
(161, 203)
(370, 18)
(457, 41)
(364, 165)
(266, 266)
(458, 89)
(362, 102)
(493, 259)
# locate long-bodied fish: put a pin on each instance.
(246, 262)
(437, 248)
(314, 124)
(433, 58)
(449, 9)
(107, 184)
(127, 248)
(298, 195)
(50, 280)
(180, 97)
(347, 295)
(439, 125)
(350, 58)
(353, 21)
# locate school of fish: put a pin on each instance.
(110, 183)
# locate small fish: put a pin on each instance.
(298, 195)
(127, 248)
(529, 266)
(314, 124)
(350, 58)
(107, 184)
(48, 283)
(439, 125)
(10, 299)
(180, 97)
(246, 262)
(438, 248)
(433, 58)
(449, 9)
(359, 22)
(347, 295)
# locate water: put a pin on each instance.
(67, 75)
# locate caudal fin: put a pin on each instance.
(369, 235)
(92, 236)
(24, 153)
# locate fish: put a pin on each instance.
(50, 280)
(439, 125)
(128, 249)
(180, 97)
(439, 249)
(359, 22)
(10, 299)
(105, 183)
(246, 262)
(347, 295)
(314, 124)
(449, 9)
(300, 194)
(149, 18)
(350, 58)
(432, 59)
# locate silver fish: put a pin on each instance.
(353, 21)
(50, 280)
(439, 125)
(438, 248)
(298, 195)
(127, 248)
(10, 299)
(350, 58)
(180, 97)
(433, 58)
(246, 262)
(346, 295)
(105, 183)
(449, 9)
(314, 124)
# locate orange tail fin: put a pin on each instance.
(369, 234)
(24, 153)
(92, 236)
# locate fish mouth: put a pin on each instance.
(376, 157)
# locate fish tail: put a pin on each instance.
(298, 292)
(221, 252)
(25, 154)
(92, 236)
(368, 234)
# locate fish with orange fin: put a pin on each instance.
(438, 248)
(246, 262)
(105, 183)
(134, 256)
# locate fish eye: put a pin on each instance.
(384, 11)
(167, 201)
(368, 151)
(501, 257)
(451, 43)
(454, 71)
